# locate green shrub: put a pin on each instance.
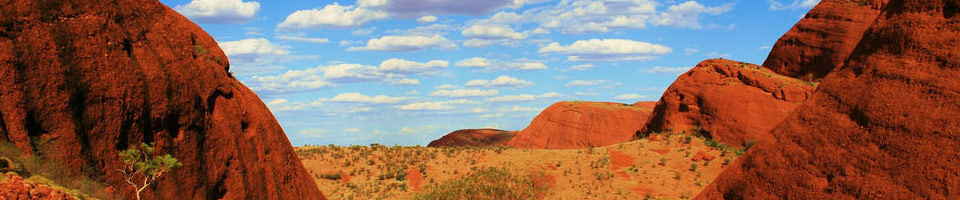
(489, 183)
(40, 170)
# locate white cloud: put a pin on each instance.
(360, 98)
(445, 87)
(351, 130)
(590, 16)
(633, 97)
(478, 110)
(690, 51)
(463, 93)
(348, 73)
(490, 65)
(331, 16)
(523, 109)
(764, 47)
(302, 39)
(252, 46)
(797, 4)
(401, 66)
(220, 11)
(491, 32)
(405, 43)
(433, 105)
(281, 105)
(363, 31)
(668, 70)
(427, 19)
(577, 83)
(607, 50)
(524, 97)
(291, 81)
(501, 81)
(411, 92)
(406, 82)
(413, 8)
(582, 67)
(687, 14)
(473, 62)
(428, 30)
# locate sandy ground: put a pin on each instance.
(659, 167)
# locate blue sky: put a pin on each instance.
(409, 71)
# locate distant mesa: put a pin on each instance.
(474, 138)
(582, 124)
(729, 101)
(883, 125)
(82, 80)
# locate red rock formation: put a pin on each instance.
(883, 126)
(13, 186)
(732, 102)
(474, 137)
(823, 39)
(579, 124)
(82, 80)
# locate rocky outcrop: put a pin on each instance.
(13, 186)
(882, 126)
(82, 80)
(729, 101)
(474, 138)
(823, 39)
(580, 124)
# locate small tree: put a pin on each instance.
(142, 168)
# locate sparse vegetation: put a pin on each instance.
(489, 183)
(40, 170)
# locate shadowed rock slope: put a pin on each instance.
(883, 126)
(82, 80)
(729, 101)
(581, 124)
(823, 39)
(474, 137)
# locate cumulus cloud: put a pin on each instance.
(582, 67)
(589, 16)
(220, 11)
(689, 51)
(252, 46)
(459, 93)
(483, 35)
(401, 66)
(687, 14)
(445, 87)
(427, 19)
(608, 50)
(406, 82)
(280, 105)
(433, 105)
(330, 16)
(633, 97)
(302, 39)
(501, 81)
(412, 8)
(347, 73)
(291, 81)
(668, 70)
(360, 98)
(578, 83)
(405, 43)
(796, 4)
(524, 97)
(484, 64)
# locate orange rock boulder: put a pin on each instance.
(474, 137)
(883, 126)
(823, 39)
(82, 80)
(580, 124)
(732, 102)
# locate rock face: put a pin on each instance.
(12, 186)
(474, 137)
(580, 124)
(729, 101)
(82, 80)
(823, 39)
(883, 126)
